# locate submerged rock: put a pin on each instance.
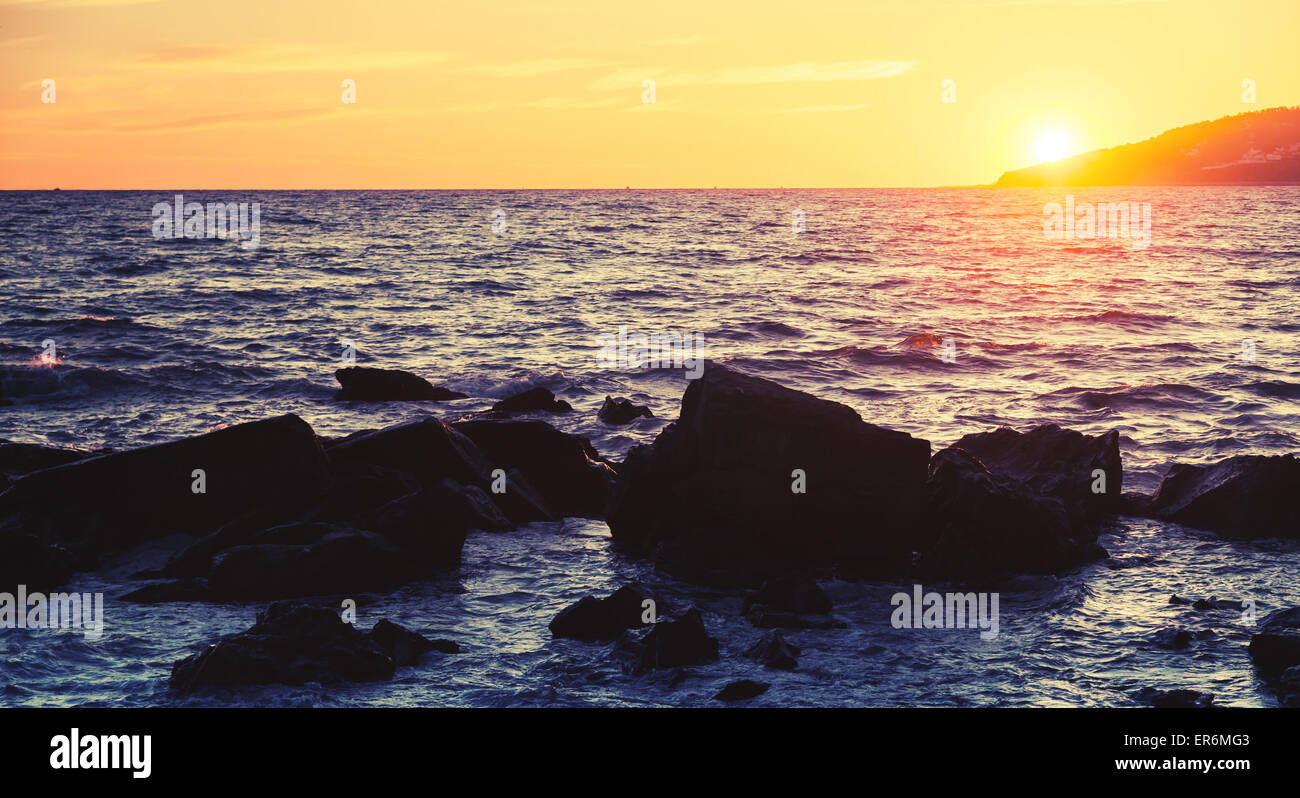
(621, 411)
(364, 384)
(1251, 496)
(1175, 699)
(790, 602)
(533, 399)
(716, 497)
(741, 690)
(565, 471)
(602, 619)
(1172, 637)
(290, 644)
(669, 644)
(773, 651)
(1276, 646)
(979, 525)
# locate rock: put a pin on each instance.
(405, 646)
(774, 652)
(426, 450)
(1055, 462)
(1176, 599)
(290, 644)
(1175, 699)
(1134, 504)
(430, 526)
(356, 488)
(977, 525)
(669, 644)
(601, 619)
(741, 690)
(125, 498)
(533, 399)
(1276, 646)
(17, 459)
(1251, 496)
(388, 385)
(565, 470)
(712, 497)
(27, 560)
(1172, 637)
(1131, 561)
(621, 411)
(342, 563)
(792, 593)
(196, 559)
(169, 590)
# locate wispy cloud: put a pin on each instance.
(282, 58)
(806, 72)
(525, 69)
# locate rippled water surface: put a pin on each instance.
(161, 339)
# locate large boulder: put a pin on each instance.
(1276, 646)
(290, 644)
(430, 525)
(364, 384)
(1056, 462)
(1251, 496)
(602, 619)
(715, 497)
(342, 562)
(565, 470)
(125, 498)
(17, 459)
(976, 525)
(426, 450)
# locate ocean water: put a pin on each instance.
(1189, 346)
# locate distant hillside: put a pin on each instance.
(1259, 147)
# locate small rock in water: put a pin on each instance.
(602, 619)
(1175, 699)
(741, 690)
(533, 399)
(1276, 646)
(622, 411)
(774, 652)
(669, 644)
(405, 646)
(362, 384)
(1172, 637)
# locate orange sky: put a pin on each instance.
(548, 93)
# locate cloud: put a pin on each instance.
(282, 58)
(806, 72)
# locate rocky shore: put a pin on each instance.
(756, 489)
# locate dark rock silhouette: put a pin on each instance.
(426, 450)
(601, 619)
(565, 470)
(405, 647)
(1276, 646)
(17, 459)
(977, 525)
(621, 411)
(345, 561)
(773, 651)
(364, 384)
(1172, 637)
(713, 497)
(1055, 462)
(124, 498)
(27, 560)
(741, 690)
(290, 644)
(1251, 496)
(668, 644)
(790, 602)
(532, 400)
(430, 526)
(169, 590)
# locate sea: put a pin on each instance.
(939, 312)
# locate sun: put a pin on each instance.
(1053, 145)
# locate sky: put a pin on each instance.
(554, 93)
